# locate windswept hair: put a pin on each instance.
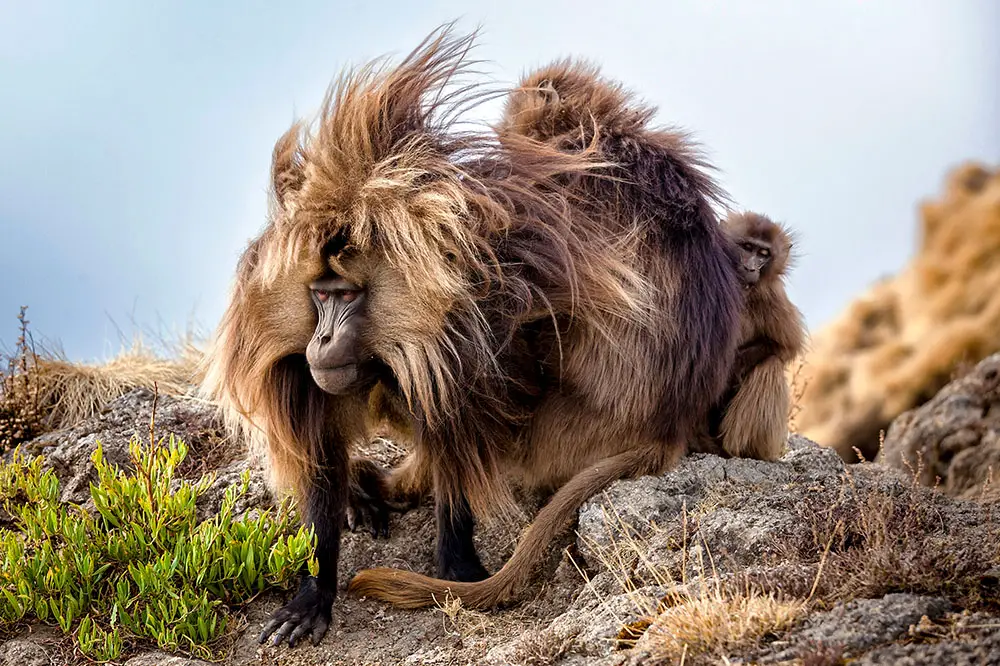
(487, 236)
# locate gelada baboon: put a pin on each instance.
(751, 420)
(553, 302)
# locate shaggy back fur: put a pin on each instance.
(629, 406)
(470, 238)
(656, 179)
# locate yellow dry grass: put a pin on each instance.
(714, 623)
(41, 390)
(70, 392)
(698, 617)
(898, 344)
(463, 622)
(798, 380)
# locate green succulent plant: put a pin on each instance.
(141, 566)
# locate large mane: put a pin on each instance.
(486, 235)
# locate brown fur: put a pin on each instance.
(754, 413)
(554, 302)
(411, 590)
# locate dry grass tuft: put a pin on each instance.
(884, 542)
(798, 382)
(543, 649)
(713, 623)
(72, 392)
(699, 617)
(464, 622)
(818, 653)
(41, 390)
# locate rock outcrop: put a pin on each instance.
(758, 562)
(953, 441)
(899, 344)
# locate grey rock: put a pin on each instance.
(974, 639)
(862, 624)
(748, 534)
(23, 653)
(954, 437)
(68, 451)
(587, 629)
(756, 522)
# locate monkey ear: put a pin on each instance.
(287, 165)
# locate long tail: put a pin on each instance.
(406, 589)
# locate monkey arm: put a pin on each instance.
(783, 326)
(751, 354)
(374, 493)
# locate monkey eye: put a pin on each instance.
(765, 253)
(346, 295)
(336, 287)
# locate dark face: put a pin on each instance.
(335, 355)
(755, 258)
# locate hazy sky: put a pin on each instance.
(135, 136)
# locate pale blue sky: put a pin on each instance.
(135, 135)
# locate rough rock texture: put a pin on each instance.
(859, 625)
(23, 653)
(68, 451)
(954, 438)
(703, 532)
(897, 345)
(970, 640)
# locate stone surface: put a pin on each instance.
(970, 640)
(23, 653)
(754, 522)
(638, 545)
(955, 437)
(862, 624)
(68, 451)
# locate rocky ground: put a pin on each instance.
(954, 439)
(804, 560)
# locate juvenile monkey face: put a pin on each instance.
(335, 354)
(755, 258)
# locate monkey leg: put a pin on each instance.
(410, 481)
(406, 589)
(367, 498)
(756, 421)
(457, 558)
(309, 612)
